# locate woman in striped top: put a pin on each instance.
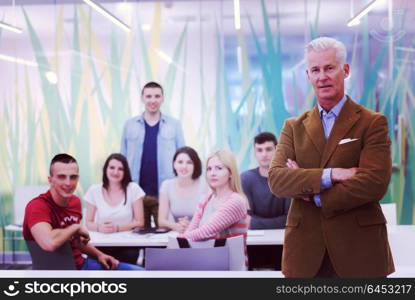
(223, 212)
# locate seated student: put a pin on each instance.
(54, 217)
(115, 205)
(179, 196)
(223, 212)
(267, 211)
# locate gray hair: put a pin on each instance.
(325, 43)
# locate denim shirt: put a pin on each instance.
(169, 139)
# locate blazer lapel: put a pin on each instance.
(347, 118)
(314, 129)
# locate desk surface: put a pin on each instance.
(255, 237)
(124, 239)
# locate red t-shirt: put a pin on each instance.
(44, 209)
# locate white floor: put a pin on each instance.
(402, 272)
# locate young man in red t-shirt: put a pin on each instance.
(54, 217)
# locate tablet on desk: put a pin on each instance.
(150, 230)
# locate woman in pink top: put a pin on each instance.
(223, 212)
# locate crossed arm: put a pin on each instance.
(337, 175)
(351, 187)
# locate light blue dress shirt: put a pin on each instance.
(327, 120)
(169, 139)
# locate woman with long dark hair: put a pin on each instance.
(179, 196)
(117, 203)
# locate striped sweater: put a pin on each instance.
(229, 220)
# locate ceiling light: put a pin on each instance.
(10, 27)
(108, 15)
(52, 77)
(146, 27)
(164, 56)
(407, 49)
(356, 19)
(18, 60)
(237, 14)
(168, 59)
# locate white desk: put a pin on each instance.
(129, 239)
(398, 235)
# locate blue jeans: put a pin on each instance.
(93, 264)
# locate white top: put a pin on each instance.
(120, 214)
(183, 205)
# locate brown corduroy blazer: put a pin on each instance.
(350, 224)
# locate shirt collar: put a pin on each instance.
(141, 118)
(335, 110)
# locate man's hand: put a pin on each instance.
(109, 262)
(292, 164)
(83, 236)
(340, 174)
(107, 227)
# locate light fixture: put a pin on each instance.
(52, 77)
(237, 14)
(10, 27)
(146, 27)
(407, 49)
(356, 19)
(164, 56)
(168, 59)
(124, 7)
(108, 15)
(18, 60)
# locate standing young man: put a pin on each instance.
(149, 142)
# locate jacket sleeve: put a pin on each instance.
(285, 182)
(372, 178)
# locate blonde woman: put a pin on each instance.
(223, 212)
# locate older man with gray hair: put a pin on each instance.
(335, 161)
